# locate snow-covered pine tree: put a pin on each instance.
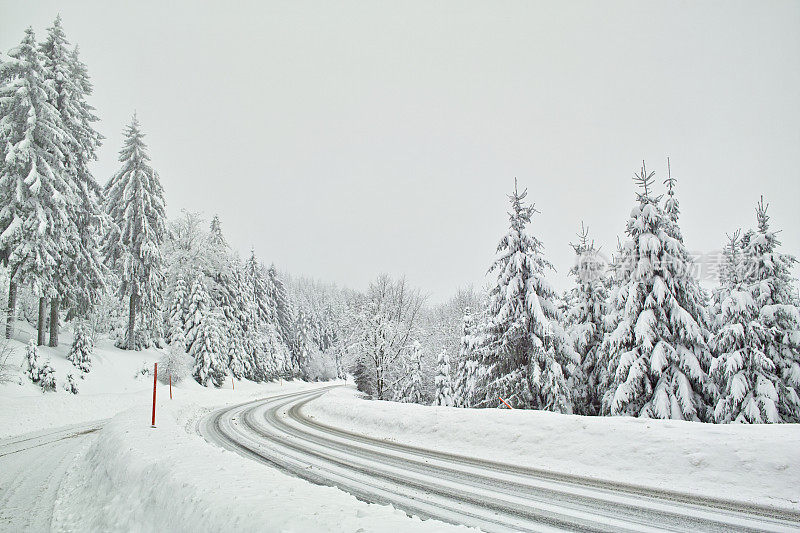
(239, 360)
(47, 377)
(758, 345)
(606, 364)
(728, 275)
(261, 298)
(443, 381)
(412, 388)
(135, 204)
(584, 319)
(527, 355)
(658, 348)
(33, 370)
(70, 385)
(81, 279)
(197, 308)
(467, 367)
(178, 308)
(207, 351)
(80, 354)
(284, 315)
(35, 194)
(305, 340)
(215, 234)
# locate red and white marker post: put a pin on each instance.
(155, 380)
(505, 402)
(170, 386)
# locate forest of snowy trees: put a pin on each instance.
(637, 335)
(107, 260)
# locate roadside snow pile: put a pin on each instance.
(134, 478)
(759, 464)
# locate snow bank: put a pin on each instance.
(134, 478)
(757, 464)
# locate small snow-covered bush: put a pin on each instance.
(146, 370)
(176, 362)
(47, 378)
(70, 385)
(81, 350)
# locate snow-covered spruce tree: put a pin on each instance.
(207, 351)
(80, 282)
(178, 308)
(255, 273)
(758, 345)
(33, 369)
(80, 354)
(36, 195)
(305, 340)
(658, 348)
(135, 205)
(197, 308)
(215, 234)
(443, 381)
(47, 377)
(584, 319)
(70, 385)
(467, 368)
(411, 391)
(526, 355)
(606, 363)
(239, 360)
(283, 306)
(729, 274)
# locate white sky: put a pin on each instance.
(346, 139)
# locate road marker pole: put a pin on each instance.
(155, 380)
(233, 385)
(170, 386)
(505, 402)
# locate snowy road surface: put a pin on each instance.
(491, 496)
(32, 468)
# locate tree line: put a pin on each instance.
(638, 336)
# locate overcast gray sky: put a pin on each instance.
(346, 139)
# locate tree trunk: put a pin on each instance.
(12, 308)
(42, 325)
(132, 323)
(54, 304)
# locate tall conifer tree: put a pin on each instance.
(36, 194)
(135, 205)
(526, 355)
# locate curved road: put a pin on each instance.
(462, 490)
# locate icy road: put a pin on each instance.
(461, 490)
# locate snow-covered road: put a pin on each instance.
(461, 490)
(32, 469)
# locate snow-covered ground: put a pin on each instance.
(61, 471)
(758, 464)
(114, 384)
